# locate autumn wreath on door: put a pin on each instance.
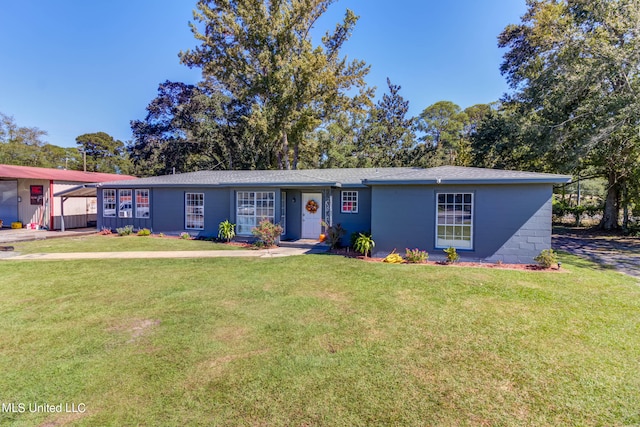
(312, 206)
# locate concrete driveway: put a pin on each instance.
(619, 252)
(9, 235)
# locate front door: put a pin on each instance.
(311, 215)
(8, 202)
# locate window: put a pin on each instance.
(125, 210)
(252, 207)
(349, 202)
(108, 202)
(194, 211)
(142, 203)
(455, 220)
(283, 211)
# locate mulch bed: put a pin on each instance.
(498, 266)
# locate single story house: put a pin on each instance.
(27, 196)
(485, 214)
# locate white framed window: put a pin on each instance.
(194, 211)
(283, 212)
(454, 220)
(125, 208)
(142, 204)
(108, 202)
(349, 202)
(252, 207)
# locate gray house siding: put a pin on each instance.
(167, 211)
(402, 217)
(352, 222)
(294, 214)
(511, 223)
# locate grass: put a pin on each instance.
(318, 341)
(113, 243)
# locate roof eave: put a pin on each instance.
(493, 181)
(224, 185)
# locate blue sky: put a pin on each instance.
(72, 67)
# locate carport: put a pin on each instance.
(85, 190)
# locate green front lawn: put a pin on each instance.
(114, 243)
(318, 340)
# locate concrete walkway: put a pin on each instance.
(263, 253)
(8, 235)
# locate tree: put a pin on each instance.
(387, 136)
(442, 125)
(574, 68)
(103, 153)
(261, 54)
(21, 145)
(191, 127)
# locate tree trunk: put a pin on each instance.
(296, 152)
(610, 214)
(285, 150)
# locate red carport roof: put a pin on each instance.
(28, 172)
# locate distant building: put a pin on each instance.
(27, 196)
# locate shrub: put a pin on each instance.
(185, 236)
(547, 258)
(452, 254)
(144, 232)
(267, 232)
(334, 234)
(105, 231)
(416, 255)
(364, 244)
(125, 231)
(355, 235)
(226, 230)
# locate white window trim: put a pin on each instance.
(120, 211)
(356, 200)
(148, 205)
(186, 213)
(256, 219)
(104, 203)
(453, 243)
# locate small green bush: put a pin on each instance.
(354, 236)
(226, 230)
(267, 232)
(125, 231)
(547, 258)
(452, 254)
(144, 232)
(416, 255)
(185, 236)
(364, 244)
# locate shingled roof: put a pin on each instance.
(29, 172)
(348, 177)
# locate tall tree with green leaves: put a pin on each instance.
(103, 153)
(190, 128)
(260, 52)
(388, 135)
(442, 126)
(574, 67)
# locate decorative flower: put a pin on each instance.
(312, 206)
